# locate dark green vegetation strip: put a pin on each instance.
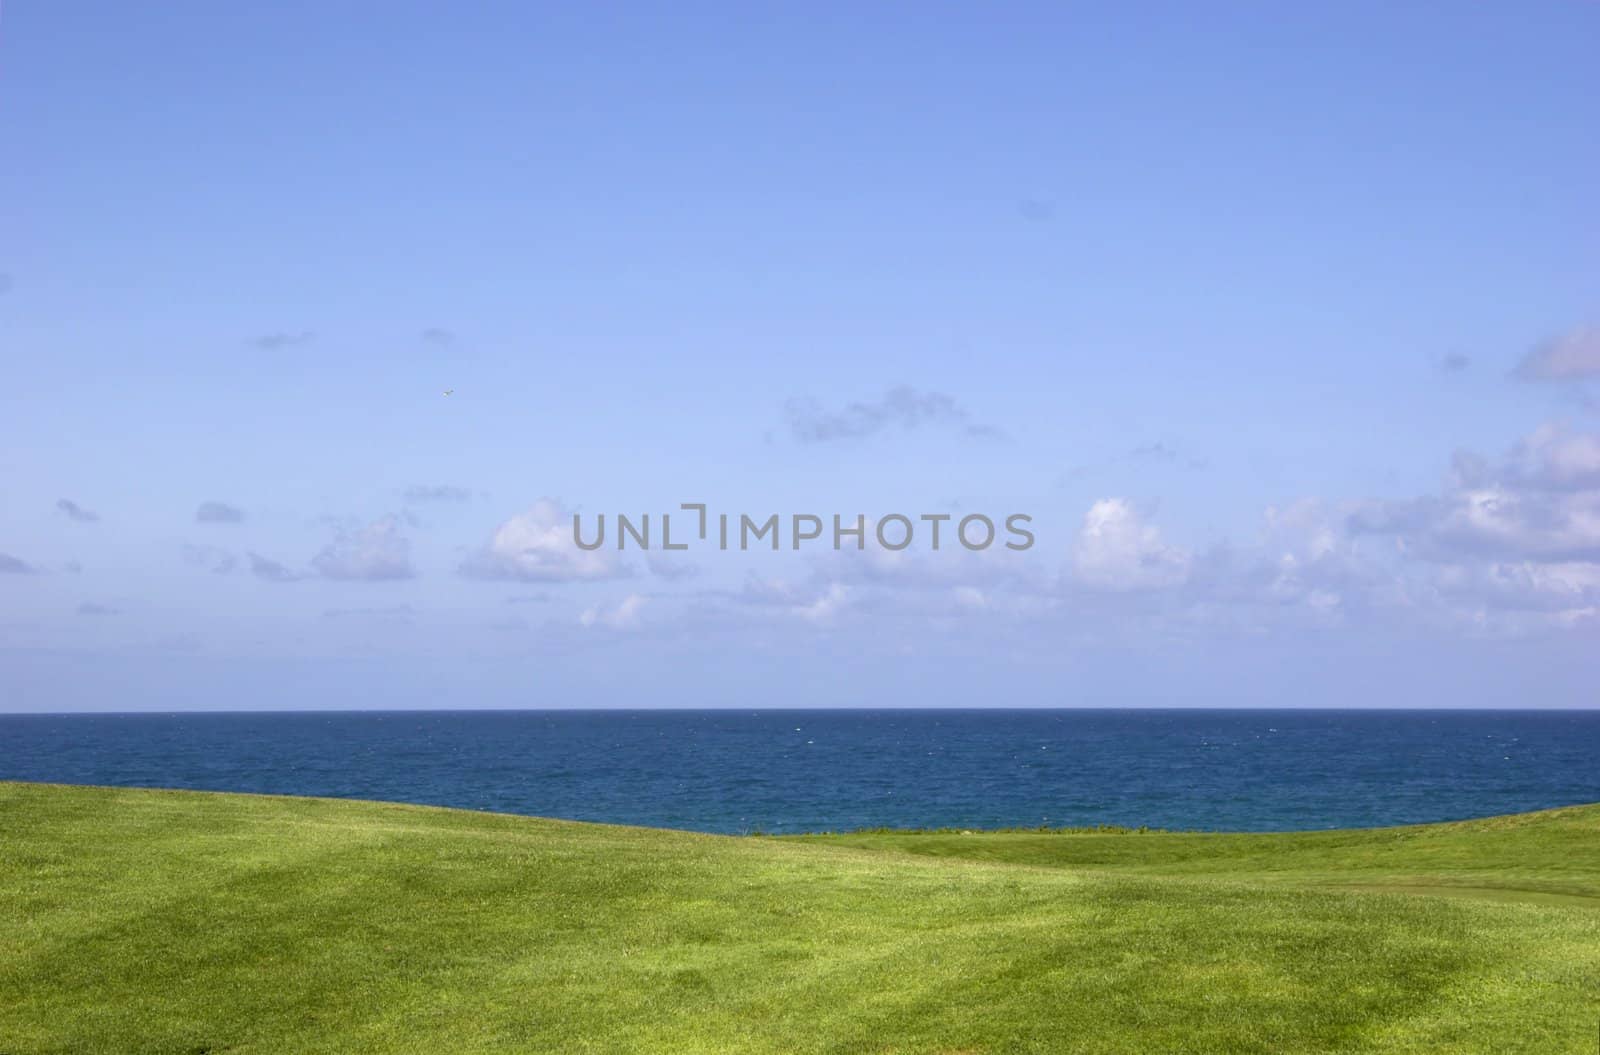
(142, 921)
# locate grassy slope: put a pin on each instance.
(138, 921)
(1550, 857)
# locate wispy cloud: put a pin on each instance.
(815, 601)
(1574, 356)
(10, 565)
(270, 570)
(282, 339)
(1157, 451)
(671, 568)
(395, 613)
(211, 558)
(1454, 362)
(90, 608)
(901, 407)
(1540, 503)
(1036, 210)
(373, 553)
(218, 513)
(439, 336)
(437, 493)
(76, 512)
(622, 616)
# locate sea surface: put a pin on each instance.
(789, 771)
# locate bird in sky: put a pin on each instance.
(449, 391)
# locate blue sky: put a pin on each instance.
(1280, 324)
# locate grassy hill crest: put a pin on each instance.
(164, 921)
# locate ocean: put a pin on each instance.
(832, 770)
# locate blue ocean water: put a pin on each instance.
(786, 771)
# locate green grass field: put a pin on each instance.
(154, 921)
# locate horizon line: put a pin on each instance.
(729, 709)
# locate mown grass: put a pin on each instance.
(144, 921)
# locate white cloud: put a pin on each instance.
(1524, 586)
(1557, 458)
(1499, 520)
(835, 597)
(1515, 535)
(1509, 545)
(1116, 550)
(537, 546)
(816, 601)
(624, 616)
(1303, 530)
(971, 597)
